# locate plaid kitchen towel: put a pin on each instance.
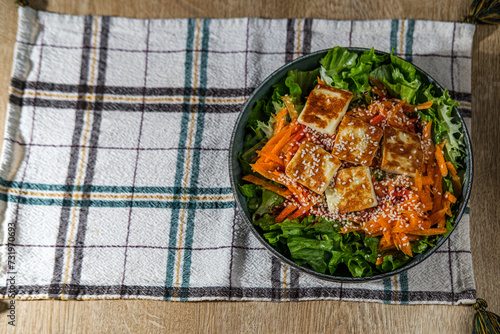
(114, 179)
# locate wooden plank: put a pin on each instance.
(136, 316)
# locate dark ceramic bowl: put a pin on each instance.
(307, 63)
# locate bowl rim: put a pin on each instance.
(412, 263)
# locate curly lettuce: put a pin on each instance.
(345, 70)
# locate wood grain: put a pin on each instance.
(136, 316)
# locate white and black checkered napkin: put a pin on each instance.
(114, 180)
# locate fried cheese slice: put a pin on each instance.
(313, 167)
(356, 141)
(325, 108)
(401, 152)
(353, 191)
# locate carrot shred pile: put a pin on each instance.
(420, 211)
(272, 161)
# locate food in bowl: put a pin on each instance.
(353, 168)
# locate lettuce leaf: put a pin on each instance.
(265, 222)
(315, 241)
(393, 262)
(269, 201)
(421, 245)
(279, 89)
(345, 70)
(312, 251)
(370, 57)
(407, 70)
(300, 83)
(358, 266)
(252, 144)
(253, 194)
(334, 63)
(396, 83)
(445, 125)
(267, 128)
(335, 260)
(258, 113)
(400, 78)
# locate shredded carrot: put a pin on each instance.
(405, 244)
(293, 143)
(439, 218)
(412, 237)
(351, 228)
(274, 140)
(379, 92)
(279, 146)
(286, 131)
(427, 206)
(269, 156)
(267, 165)
(371, 227)
(427, 140)
(429, 231)
(386, 243)
(280, 121)
(286, 212)
(288, 157)
(443, 144)
(437, 188)
(289, 154)
(410, 200)
(449, 196)
(380, 260)
(377, 83)
(425, 105)
(281, 138)
(301, 211)
(413, 218)
(266, 185)
(263, 169)
(425, 194)
(377, 119)
(291, 108)
(427, 181)
(457, 185)
(418, 180)
(426, 134)
(448, 199)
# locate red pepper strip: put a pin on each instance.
(377, 119)
(286, 212)
(301, 211)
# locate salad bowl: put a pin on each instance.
(307, 63)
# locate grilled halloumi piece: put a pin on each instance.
(312, 167)
(401, 152)
(325, 108)
(353, 191)
(356, 141)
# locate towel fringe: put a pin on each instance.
(22, 3)
(485, 322)
(484, 11)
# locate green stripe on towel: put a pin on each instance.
(186, 268)
(174, 223)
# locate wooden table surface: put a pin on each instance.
(137, 316)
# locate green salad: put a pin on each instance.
(353, 168)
